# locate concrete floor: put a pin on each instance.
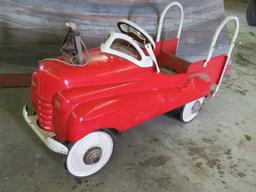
(215, 152)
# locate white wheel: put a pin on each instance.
(191, 110)
(90, 154)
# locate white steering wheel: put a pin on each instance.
(136, 32)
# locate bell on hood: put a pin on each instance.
(73, 45)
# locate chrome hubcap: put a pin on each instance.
(92, 156)
(196, 107)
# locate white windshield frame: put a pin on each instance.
(145, 60)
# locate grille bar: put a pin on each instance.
(45, 110)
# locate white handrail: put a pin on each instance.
(216, 35)
(160, 25)
(150, 51)
(231, 47)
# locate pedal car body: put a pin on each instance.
(128, 80)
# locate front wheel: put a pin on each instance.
(191, 110)
(88, 155)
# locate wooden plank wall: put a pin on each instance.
(33, 29)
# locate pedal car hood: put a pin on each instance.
(101, 69)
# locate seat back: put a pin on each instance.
(173, 62)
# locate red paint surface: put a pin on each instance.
(111, 92)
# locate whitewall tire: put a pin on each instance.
(88, 155)
(191, 110)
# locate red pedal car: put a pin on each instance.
(81, 95)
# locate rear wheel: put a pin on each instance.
(191, 110)
(90, 154)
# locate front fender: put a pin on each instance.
(91, 116)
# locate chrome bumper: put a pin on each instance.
(45, 136)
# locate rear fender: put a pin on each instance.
(213, 70)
